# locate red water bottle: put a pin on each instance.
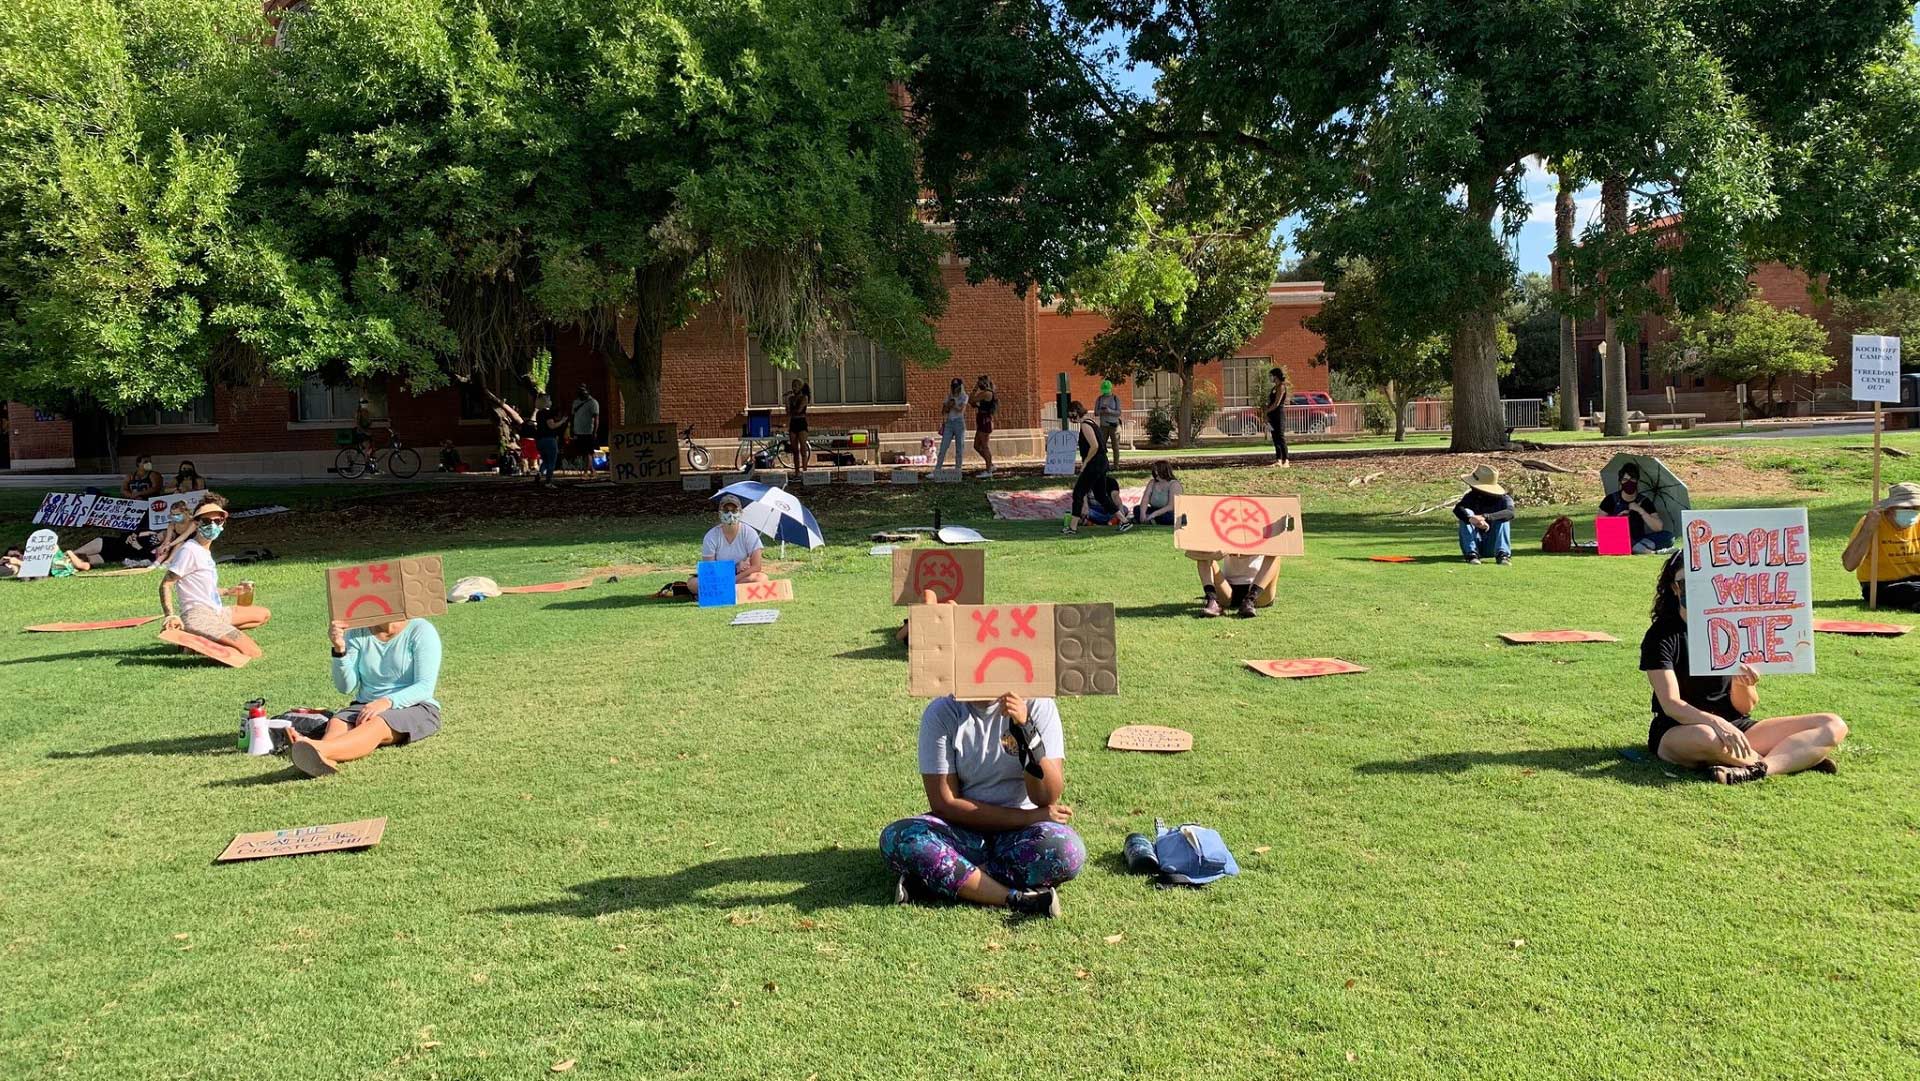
(255, 709)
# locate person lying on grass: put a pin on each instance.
(995, 832)
(731, 540)
(1242, 580)
(1706, 721)
(64, 565)
(192, 581)
(389, 670)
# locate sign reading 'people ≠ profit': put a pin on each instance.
(1749, 591)
(647, 452)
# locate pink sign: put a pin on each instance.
(1614, 536)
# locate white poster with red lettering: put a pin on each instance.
(1749, 591)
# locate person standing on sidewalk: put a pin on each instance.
(953, 429)
(585, 428)
(1107, 410)
(1277, 415)
(986, 402)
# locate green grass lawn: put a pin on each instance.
(645, 840)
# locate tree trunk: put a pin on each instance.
(1185, 421)
(657, 309)
(1562, 285)
(1613, 208)
(1479, 422)
(1397, 401)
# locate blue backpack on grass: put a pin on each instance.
(1192, 855)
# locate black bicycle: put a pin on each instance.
(698, 459)
(396, 459)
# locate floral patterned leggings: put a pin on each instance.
(943, 855)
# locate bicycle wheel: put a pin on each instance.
(743, 457)
(350, 463)
(698, 459)
(403, 462)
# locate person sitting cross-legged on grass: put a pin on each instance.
(1239, 582)
(390, 670)
(732, 540)
(996, 832)
(1486, 518)
(193, 582)
(1705, 721)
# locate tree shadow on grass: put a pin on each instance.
(808, 881)
(1603, 761)
(284, 774)
(612, 600)
(1190, 609)
(887, 648)
(175, 745)
(167, 657)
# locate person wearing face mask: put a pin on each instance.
(1644, 525)
(953, 426)
(986, 403)
(190, 594)
(1706, 722)
(1107, 410)
(187, 479)
(1893, 525)
(143, 482)
(390, 670)
(732, 540)
(546, 426)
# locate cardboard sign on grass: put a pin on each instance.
(64, 510)
(1150, 737)
(305, 839)
(1749, 591)
(100, 625)
(373, 593)
(643, 453)
(778, 589)
(1840, 626)
(160, 507)
(1240, 524)
(1541, 638)
(1062, 448)
(36, 559)
(206, 647)
(978, 652)
(1304, 667)
(954, 574)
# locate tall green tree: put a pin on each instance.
(477, 172)
(1751, 342)
(1565, 298)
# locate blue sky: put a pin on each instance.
(1534, 243)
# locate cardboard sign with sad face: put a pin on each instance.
(1240, 524)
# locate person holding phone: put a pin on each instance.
(1706, 722)
(799, 400)
(986, 403)
(953, 426)
(389, 670)
(996, 831)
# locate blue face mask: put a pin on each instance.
(212, 530)
(1904, 519)
(177, 517)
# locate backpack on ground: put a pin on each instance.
(1559, 536)
(1192, 855)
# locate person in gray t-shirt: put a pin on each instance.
(996, 832)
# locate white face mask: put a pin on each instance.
(1904, 518)
(729, 517)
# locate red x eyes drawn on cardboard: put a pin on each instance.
(1241, 524)
(1304, 667)
(780, 589)
(373, 593)
(954, 574)
(980, 652)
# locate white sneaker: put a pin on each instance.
(985, 475)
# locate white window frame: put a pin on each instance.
(196, 417)
(349, 394)
(828, 377)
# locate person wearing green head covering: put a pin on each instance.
(1107, 410)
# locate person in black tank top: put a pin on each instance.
(1703, 720)
(1092, 480)
(986, 404)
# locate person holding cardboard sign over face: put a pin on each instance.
(1706, 721)
(1486, 518)
(1894, 526)
(732, 541)
(192, 577)
(996, 831)
(390, 670)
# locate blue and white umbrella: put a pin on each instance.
(779, 516)
(745, 491)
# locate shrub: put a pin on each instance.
(1378, 414)
(1159, 426)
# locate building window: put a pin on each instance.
(197, 413)
(1243, 381)
(317, 401)
(865, 374)
(1156, 390)
(474, 403)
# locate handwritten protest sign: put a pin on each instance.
(982, 651)
(954, 574)
(160, 506)
(305, 839)
(1241, 524)
(64, 510)
(1749, 591)
(1876, 368)
(645, 452)
(36, 559)
(373, 593)
(1150, 737)
(1062, 449)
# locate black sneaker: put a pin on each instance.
(909, 890)
(1737, 774)
(1035, 902)
(1503, 559)
(1246, 609)
(1825, 765)
(1473, 561)
(1212, 607)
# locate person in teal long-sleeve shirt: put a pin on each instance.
(389, 670)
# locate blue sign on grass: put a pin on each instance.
(716, 583)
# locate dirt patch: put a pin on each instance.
(1712, 471)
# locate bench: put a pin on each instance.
(1686, 421)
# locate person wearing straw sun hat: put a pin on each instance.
(1486, 518)
(190, 594)
(1893, 525)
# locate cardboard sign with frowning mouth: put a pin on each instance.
(954, 574)
(1304, 667)
(1241, 524)
(978, 652)
(369, 594)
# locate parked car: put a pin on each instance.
(1310, 411)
